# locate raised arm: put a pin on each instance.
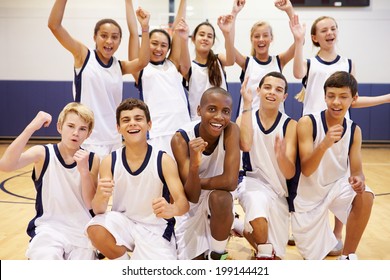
(239, 57)
(14, 156)
(136, 65)
(182, 30)
(228, 180)
(286, 6)
(244, 121)
(180, 205)
(78, 50)
(174, 54)
(227, 24)
(300, 65)
(370, 101)
(133, 47)
(105, 187)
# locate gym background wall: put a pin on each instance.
(36, 72)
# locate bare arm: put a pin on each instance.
(182, 30)
(226, 24)
(371, 101)
(14, 158)
(229, 178)
(286, 6)
(88, 178)
(240, 59)
(311, 157)
(105, 187)
(175, 53)
(286, 150)
(180, 205)
(78, 50)
(188, 158)
(357, 179)
(136, 65)
(244, 121)
(133, 47)
(300, 65)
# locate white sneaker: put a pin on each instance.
(265, 252)
(350, 257)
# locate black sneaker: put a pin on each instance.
(217, 256)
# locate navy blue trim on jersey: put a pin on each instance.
(113, 160)
(143, 165)
(38, 199)
(196, 130)
(279, 64)
(61, 159)
(272, 128)
(246, 162)
(157, 62)
(242, 75)
(353, 128)
(286, 122)
(325, 125)
(304, 80)
(350, 65)
(159, 168)
(102, 64)
(78, 79)
(320, 60)
(90, 160)
(170, 229)
(313, 120)
(184, 135)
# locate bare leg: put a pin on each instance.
(103, 240)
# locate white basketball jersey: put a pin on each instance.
(318, 72)
(334, 165)
(134, 191)
(59, 202)
(198, 83)
(162, 90)
(99, 87)
(256, 70)
(260, 162)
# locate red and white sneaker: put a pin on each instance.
(265, 252)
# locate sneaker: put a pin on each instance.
(265, 252)
(291, 241)
(217, 256)
(238, 227)
(99, 255)
(336, 251)
(350, 257)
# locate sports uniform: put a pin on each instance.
(131, 220)
(57, 230)
(160, 86)
(327, 189)
(198, 83)
(256, 70)
(99, 87)
(263, 190)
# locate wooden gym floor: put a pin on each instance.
(17, 198)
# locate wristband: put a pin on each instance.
(246, 110)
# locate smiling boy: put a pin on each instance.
(208, 155)
(332, 178)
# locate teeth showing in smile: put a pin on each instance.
(270, 99)
(217, 125)
(132, 131)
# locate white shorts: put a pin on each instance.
(50, 244)
(312, 230)
(101, 150)
(193, 231)
(259, 201)
(136, 237)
